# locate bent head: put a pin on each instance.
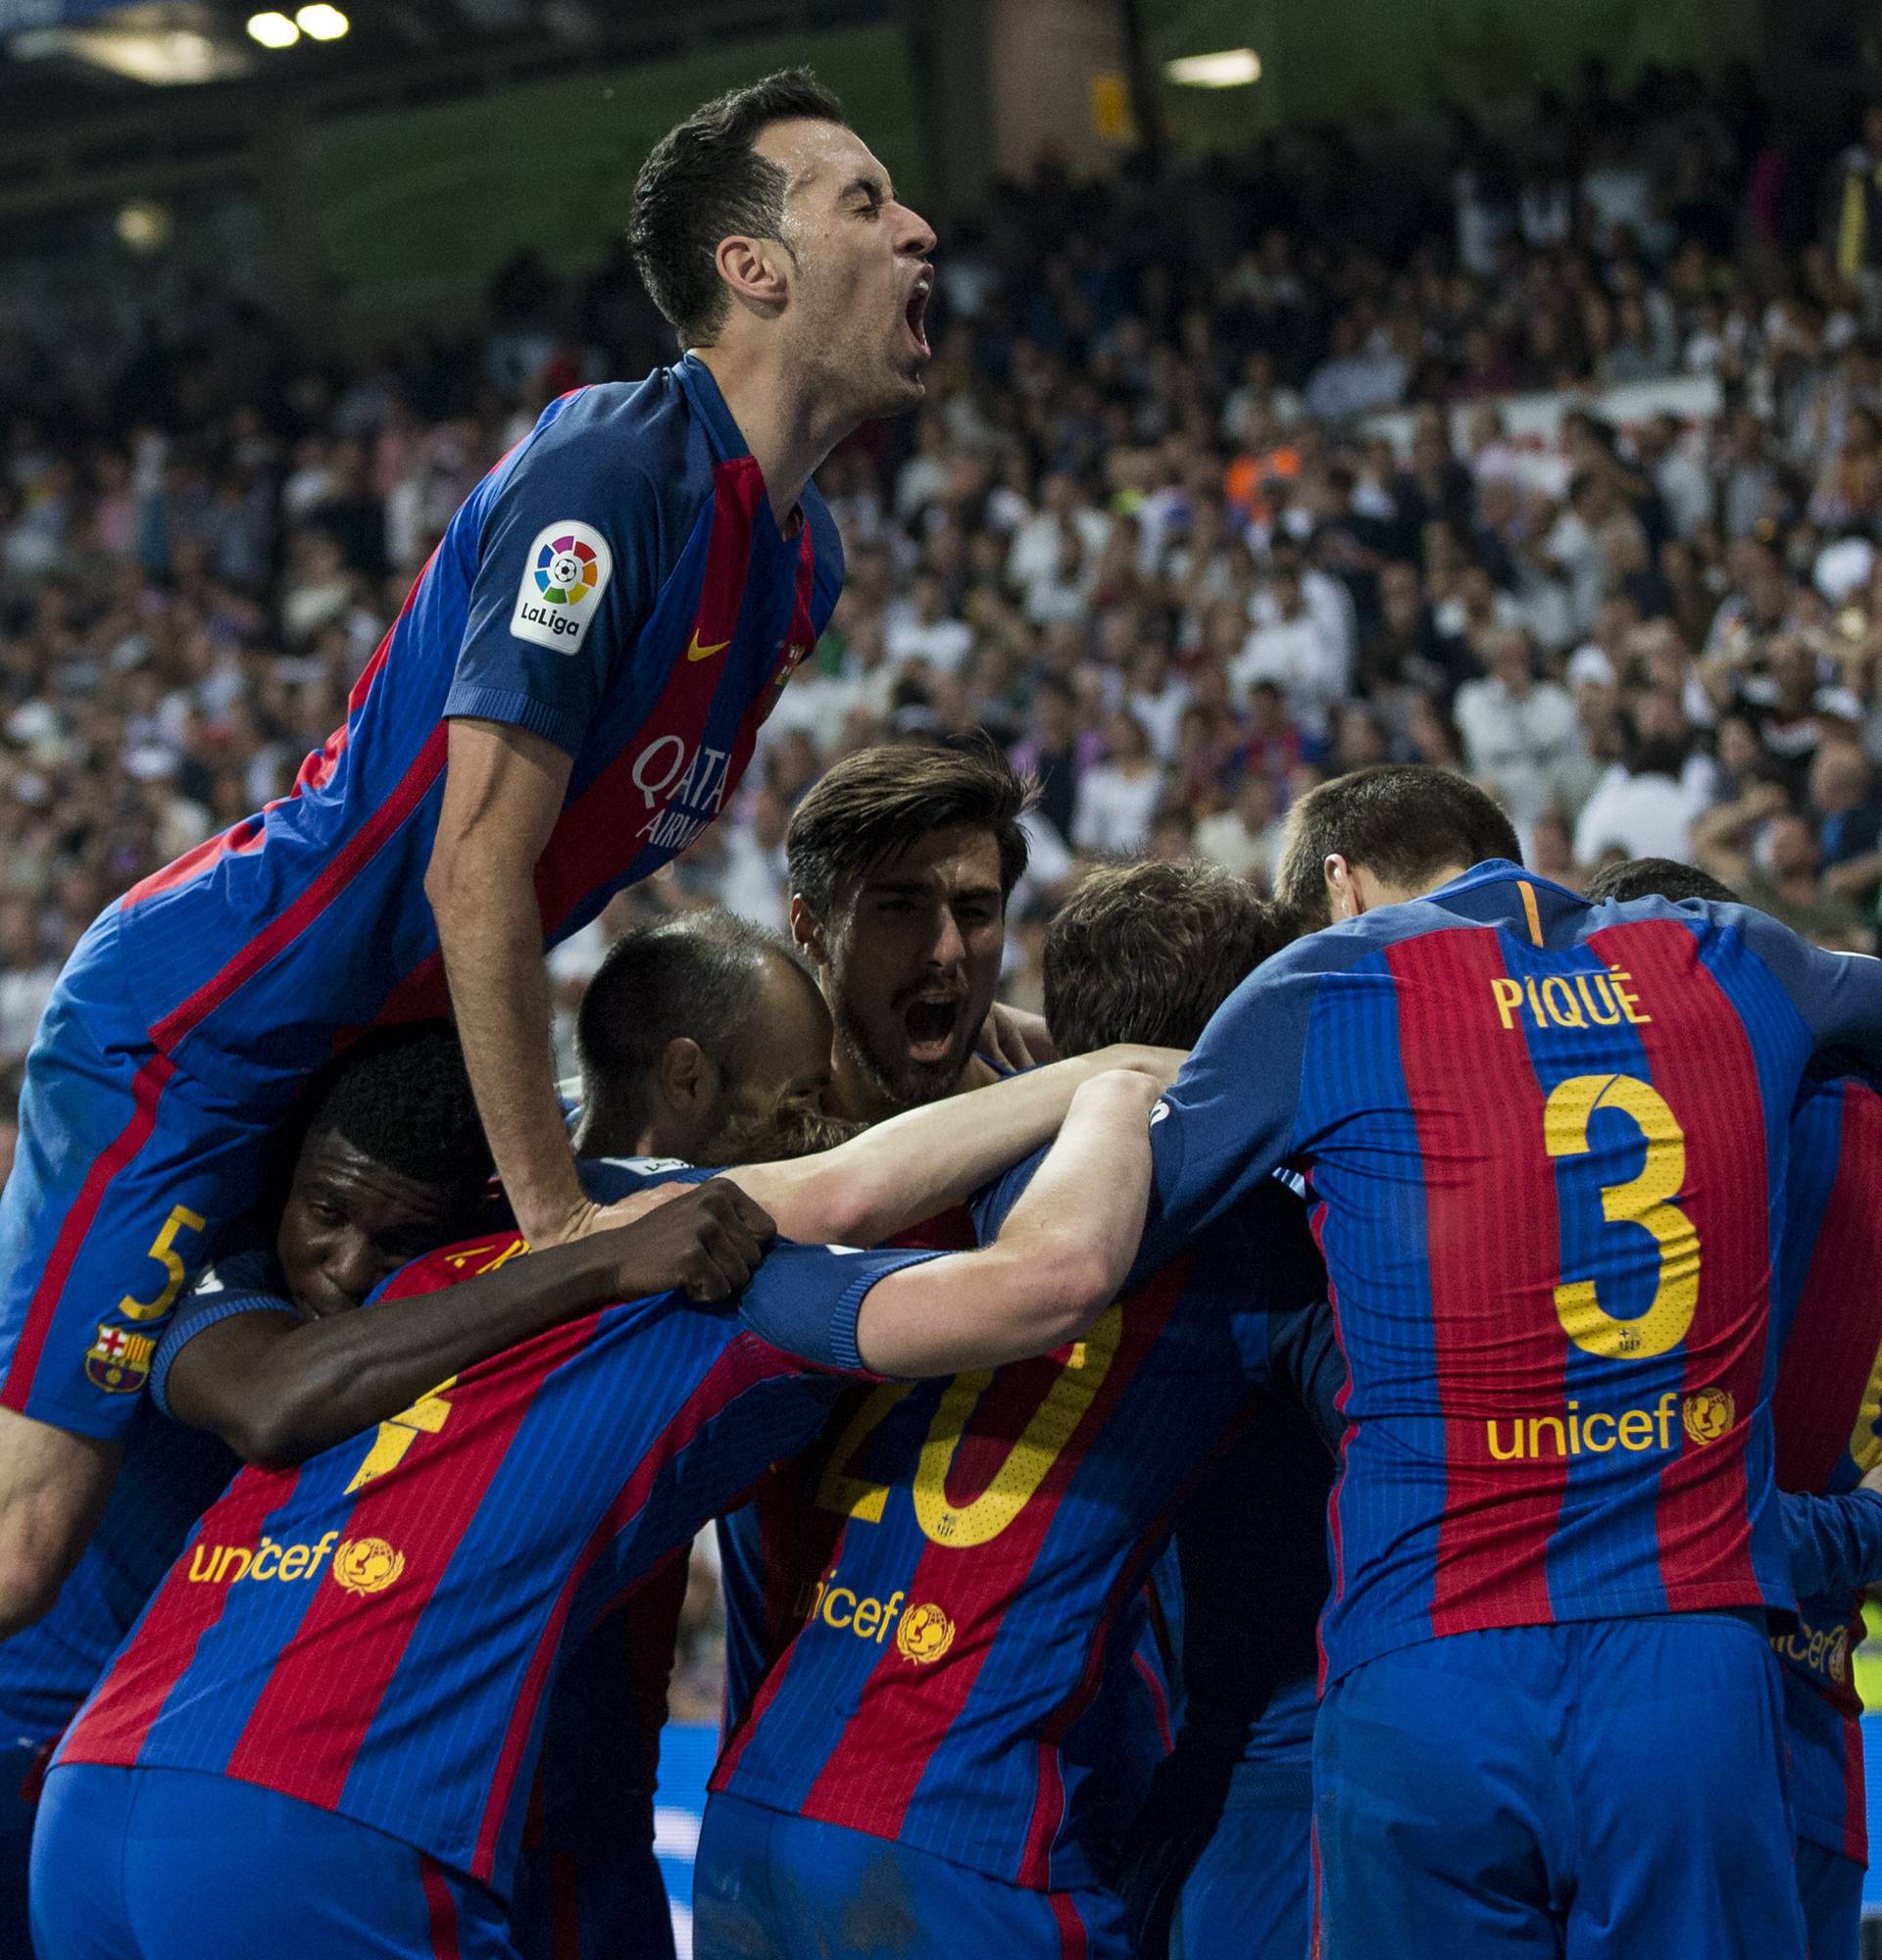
(901, 865)
(392, 1164)
(1377, 837)
(765, 223)
(706, 1038)
(1147, 952)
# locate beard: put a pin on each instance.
(901, 1081)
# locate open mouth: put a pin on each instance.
(916, 313)
(930, 1027)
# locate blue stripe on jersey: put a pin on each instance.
(1385, 1488)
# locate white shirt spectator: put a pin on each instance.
(752, 881)
(24, 993)
(1034, 554)
(1302, 659)
(1113, 809)
(1518, 743)
(1646, 815)
(943, 643)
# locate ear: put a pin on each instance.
(1345, 898)
(756, 270)
(807, 932)
(687, 1075)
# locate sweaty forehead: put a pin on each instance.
(818, 157)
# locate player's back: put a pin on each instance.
(377, 1632)
(1826, 1409)
(955, 1679)
(1544, 1139)
(591, 629)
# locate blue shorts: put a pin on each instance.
(592, 1893)
(1605, 1789)
(1829, 1886)
(20, 1767)
(1238, 1883)
(126, 1169)
(175, 1865)
(772, 1886)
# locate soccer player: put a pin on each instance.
(1545, 1140)
(1825, 1413)
(568, 697)
(392, 1161)
(901, 862)
(345, 1672)
(933, 1765)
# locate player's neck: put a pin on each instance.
(787, 440)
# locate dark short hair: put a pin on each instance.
(1147, 952)
(695, 978)
(1403, 821)
(703, 182)
(1657, 878)
(877, 803)
(402, 1096)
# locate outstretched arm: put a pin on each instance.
(279, 1390)
(907, 1169)
(1060, 1256)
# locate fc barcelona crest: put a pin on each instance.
(118, 1361)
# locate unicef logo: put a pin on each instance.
(925, 1634)
(566, 571)
(367, 1565)
(1708, 1414)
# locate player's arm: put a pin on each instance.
(1839, 995)
(278, 1390)
(1835, 1542)
(899, 1172)
(503, 792)
(1305, 1359)
(1059, 1258)
(53, 1486)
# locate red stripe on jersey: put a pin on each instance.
(1494, 1254)
(802, 635)
(339, 872)
(1831, 1350)
(315, 1710)
(1158, 1701)
(1073, 1940)
(315, 773)
(147, 1087)
(1335, 1528)
(904, 1712)
(585, 850)
(744, 1362)
(114, 1726)
(1856, 1795)
(1699, 1057)
(440, 1910)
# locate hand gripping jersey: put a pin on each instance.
(951, 1681)
(1826, 1411)
(616, 585)
(377, 1632)
(1546, 1141)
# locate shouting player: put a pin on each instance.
(345, 1673)
(1545, 1140)
(569, 697)
(1825, 1413)
(934, 1764)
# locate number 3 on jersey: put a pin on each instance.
(1649, 1200)
(1050, 1427)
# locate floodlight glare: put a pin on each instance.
(322, 23)
(1232, 68)
(273, 30)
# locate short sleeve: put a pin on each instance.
(805, 1300)
(989, 1205)
(250, 1284)
(566, 564)
(607, 1180)
(1839, 995)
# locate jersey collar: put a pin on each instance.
(1490, 893)
(702, 391)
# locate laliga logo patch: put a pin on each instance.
(365, 1565)
(117, 1361)
(565, 571)
(1708, 1413)
(923, 1634)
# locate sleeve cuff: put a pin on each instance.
(516, 709)
(186, 1329)
(844, 1352)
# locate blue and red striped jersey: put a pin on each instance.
(377, 1632)
(958, 1666)
(617, 584)
(1827, 1409)
(1546, 1143)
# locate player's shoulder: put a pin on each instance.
(637, 443)
(609, 1179)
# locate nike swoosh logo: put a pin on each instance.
(695, 652)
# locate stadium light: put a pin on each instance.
(273, 30)
(1232, 68)
(322, 23)
(144, 225)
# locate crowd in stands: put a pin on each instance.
(1217, 491)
